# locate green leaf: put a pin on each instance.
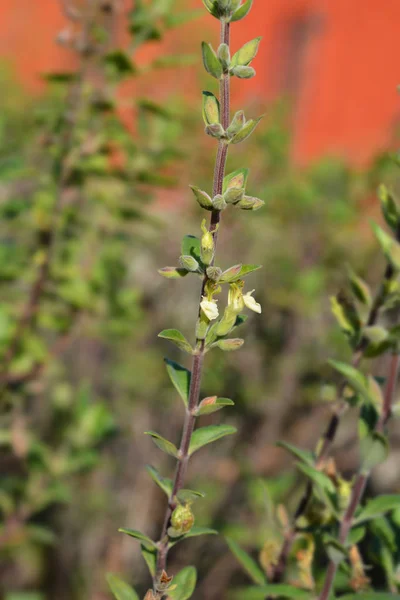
(242, 11)
(238, 272)
(278, 590)
(371, 596)
(144, 539)
(180, 378)
(246, 54)
(229, 345)
(378, 506)
(164, 483)
(177, 338)
(317, 477)
(246, 131)
(121, 62)
(210, 61)
(389, 207)
(356, 535)
(173, 272)
(185, 496)
(163, 444)
(211, 109)
(120, 589)
(185, 582)
(191, 246)
(374, 450)
(390, 247)
(206, 435)
(345, 314)
(356, 380)
(305, 456)
(212, 404)
(236, 179)
(194, 532)
(212, 9)
(359, 288)
(336, 551)
(150, 557)
(249, 565)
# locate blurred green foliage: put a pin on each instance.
(86, 379)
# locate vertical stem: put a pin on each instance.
(198, 358)
(362, 478)
(329, 435)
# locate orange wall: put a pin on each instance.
(337, 59)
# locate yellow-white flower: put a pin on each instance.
(251, 303)
(209, 308)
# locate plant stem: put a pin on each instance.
(198, 358)
(362, 478)
(329, 435)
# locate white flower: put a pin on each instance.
(209, 308)
(251, 303)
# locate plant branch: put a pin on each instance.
(362, 478)
(198, 359)
(329, 435)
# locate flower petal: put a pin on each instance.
(210, 309)
(251, 303)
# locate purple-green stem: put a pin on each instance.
(331, 430)
(198, 358)
(362, 478)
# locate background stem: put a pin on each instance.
(362, 478)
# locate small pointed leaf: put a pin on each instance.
(390, 247)
(378, 506)
(163, 444)
(246, 131)
(389, 208)
(185, 496)
(120, 589)
(317, 477)
(229, 345)
(180, 378)
(247, 53)
(184, 584)
(144, 539)
(206, 435)
(210, 61)
(191, 247)
(242, 11)
(164, 483)
(374, 450)
(213, 404)
(305, 456)
(177, 338)
(150, 557)
(249, 565)
(173, 272)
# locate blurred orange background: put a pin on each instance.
(336, 59)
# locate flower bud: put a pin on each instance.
(224, 57)
(182, 519)
(207, 245)
(238, 121)
(215, 130)
(219, 202)
(214, 273)
(189, 263)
